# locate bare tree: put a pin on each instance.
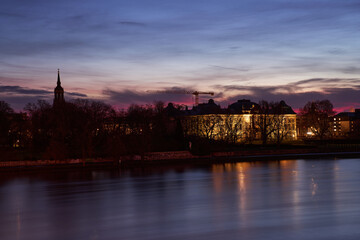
(282, 125)
(232, 127)
(209, 125)
(281, 129)
(315, 117)
(263, 121)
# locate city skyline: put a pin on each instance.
(122, 52)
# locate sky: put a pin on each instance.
(125, 52)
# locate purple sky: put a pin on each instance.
(122, 52)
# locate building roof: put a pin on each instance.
(355, 114)
(206, 108)
(242, 106)
(283, 108)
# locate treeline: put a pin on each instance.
(92, 129)
(86, 129)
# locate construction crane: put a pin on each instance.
(195, 93)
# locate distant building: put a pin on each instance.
(346, 124)
(58, 92)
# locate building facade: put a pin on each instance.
(243, 121)
(346, 124)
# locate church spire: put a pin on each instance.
(58, 79)
(58, 92)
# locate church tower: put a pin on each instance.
(59, 92)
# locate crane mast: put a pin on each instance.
(196, 94)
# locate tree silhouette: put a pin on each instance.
(5, 121)
(315, 116)
(263, 120)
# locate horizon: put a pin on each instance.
(185, 99)
(190, 104)
(122, 52)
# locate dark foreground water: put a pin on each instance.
(296, 199)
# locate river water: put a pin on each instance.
(288, 199)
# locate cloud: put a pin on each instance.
(19, 96)
(296, 94)
(75, 94)
(22, 90)
(351, 70)
(131, 23)
(33, 47)
(319, 81)
(11, 15)
(337, 51)
(10, 90)
(230, 68)
(126, 97)
(11, 65)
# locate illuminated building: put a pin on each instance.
(243, 121)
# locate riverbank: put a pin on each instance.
(176, 157)
(226, 157)
(54, 163)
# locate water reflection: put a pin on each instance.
(292, 199)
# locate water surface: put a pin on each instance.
(288, 199)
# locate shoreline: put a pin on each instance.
(176, 157)
(243, 158)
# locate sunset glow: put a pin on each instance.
(116, 52)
